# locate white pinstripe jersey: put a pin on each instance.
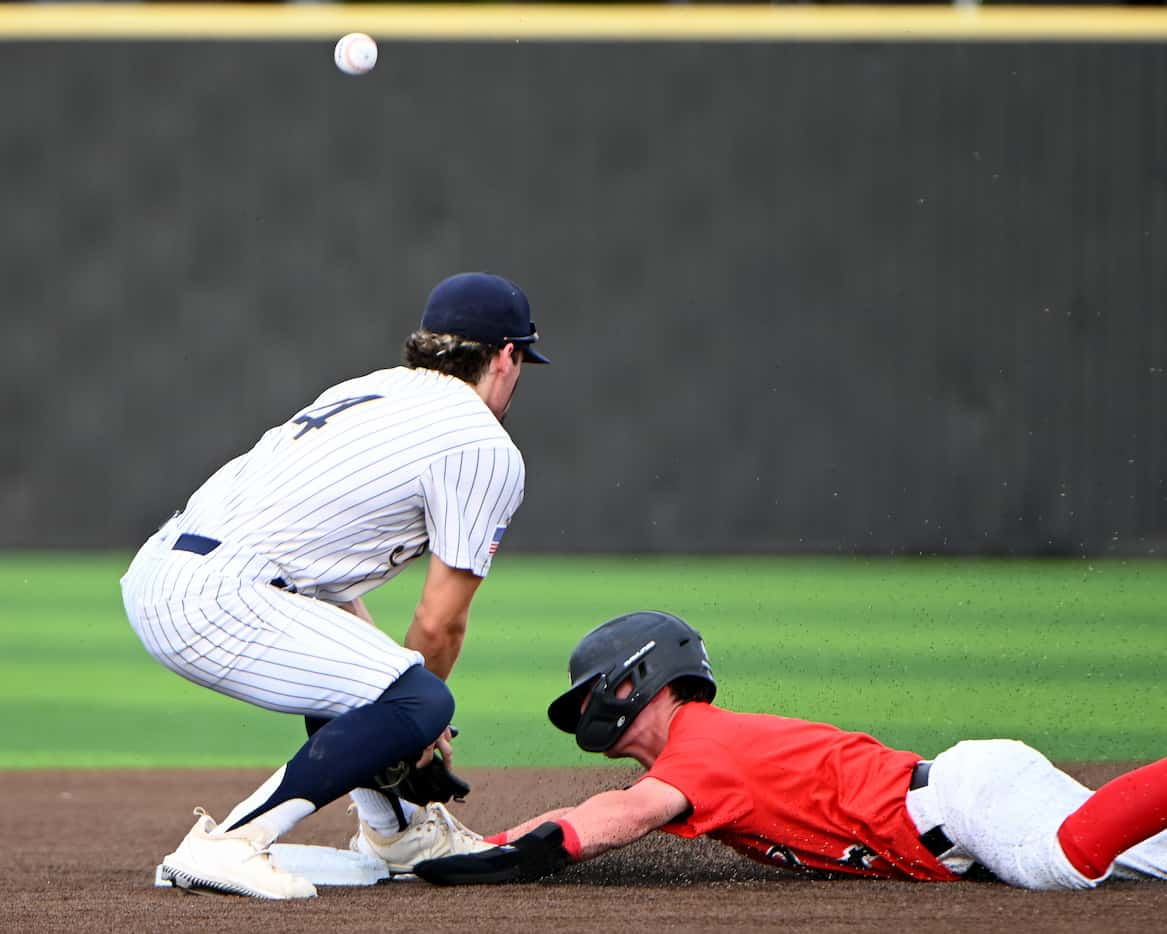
(375, 472)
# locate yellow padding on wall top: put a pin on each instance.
(514, 23)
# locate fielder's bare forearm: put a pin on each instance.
(438, 639)
(439, 622)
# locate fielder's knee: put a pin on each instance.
(424, 699)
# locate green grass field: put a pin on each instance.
(1066, 655)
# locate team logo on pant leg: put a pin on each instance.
(859, 856)
(780, 853)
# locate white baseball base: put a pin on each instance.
(321, 865)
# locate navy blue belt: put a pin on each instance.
(196, 544)
(202, 545)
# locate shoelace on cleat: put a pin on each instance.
(445, 822)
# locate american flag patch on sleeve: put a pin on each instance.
(495, 539)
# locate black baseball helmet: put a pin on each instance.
(648, 648)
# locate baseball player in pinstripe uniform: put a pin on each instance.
(254, 589)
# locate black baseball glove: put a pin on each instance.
(423, 784)
(532, 857)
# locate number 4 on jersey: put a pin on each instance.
(318, 417)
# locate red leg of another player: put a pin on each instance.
(1118, 815)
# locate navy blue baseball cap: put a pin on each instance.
(483, 307)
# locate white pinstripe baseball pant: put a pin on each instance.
(216, 620)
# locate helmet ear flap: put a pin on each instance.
(606, 716)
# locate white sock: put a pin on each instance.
(283, 817)
(377, 811)
(280, 819)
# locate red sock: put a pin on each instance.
(497, 839)
(1118, 815)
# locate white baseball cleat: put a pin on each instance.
(236, 863)
(432, 832)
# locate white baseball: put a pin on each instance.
(355, 54)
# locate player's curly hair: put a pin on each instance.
(447, 353)
(687, 689)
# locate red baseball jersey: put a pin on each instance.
(794, 793)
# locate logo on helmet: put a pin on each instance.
(639, 653)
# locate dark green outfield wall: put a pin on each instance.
(800, 297)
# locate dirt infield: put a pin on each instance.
(80, 849)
